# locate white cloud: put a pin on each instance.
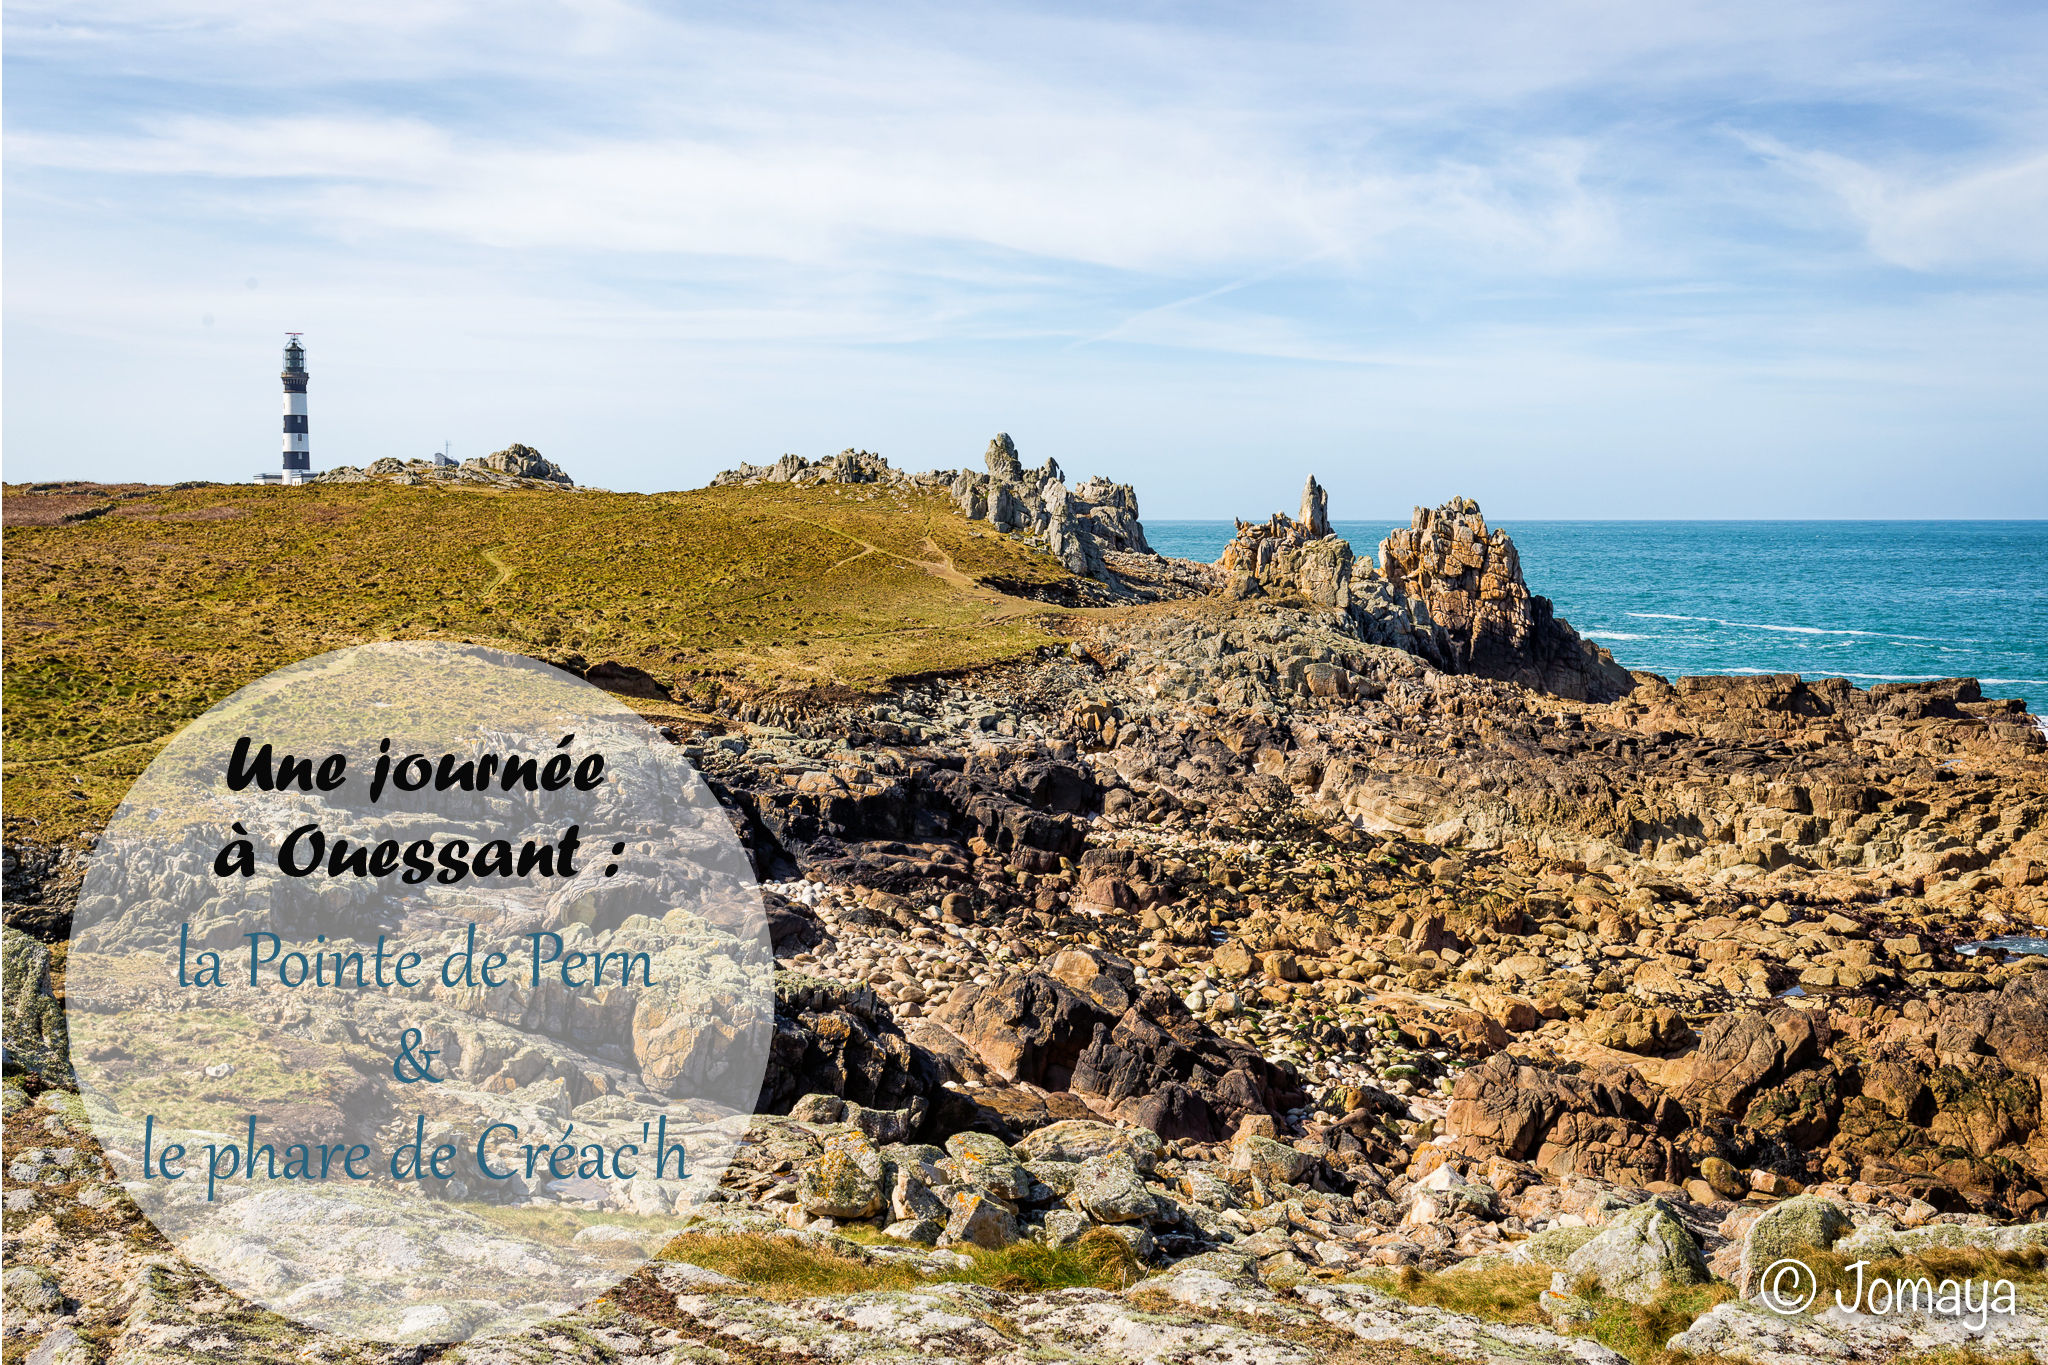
(1499, 222)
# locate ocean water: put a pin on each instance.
(1872, 601)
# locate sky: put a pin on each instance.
(1571, 259)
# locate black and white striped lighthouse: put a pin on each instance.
(298, 453)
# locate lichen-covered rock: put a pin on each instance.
(1268, 1161)
(32, 1030)
(1722, 1177)
(30, 1289)
(911, 1197)
(924, 1231)
(61, 1346)
(1056, 1176)
(981, 1220)
(1378, 1317)
(1804, 1222)
(1551, 1247)
(1079, 1139)
(1743, 1331)
(887, 1125)
(1110, 1190)
(1063, 1227)
(846, 1179)
(818, 1109)
(987, 1163)
(1641, 1253)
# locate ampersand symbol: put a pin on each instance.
(422, 1067)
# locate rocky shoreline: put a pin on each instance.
(1304, 921)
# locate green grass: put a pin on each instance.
(1510, 1294)
(1639, 1330)
(784, 1268)
(1500, 1294)
(122, 628)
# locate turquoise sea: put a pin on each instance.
(1872, 601)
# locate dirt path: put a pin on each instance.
(505, 571)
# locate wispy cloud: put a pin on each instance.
(1936, 217)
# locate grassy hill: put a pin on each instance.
(130, 610)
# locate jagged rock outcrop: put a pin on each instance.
(1087, 1026)
(1610, 1124)
(1470, 580)
(1076, 525)
(521, 462)
(848, 466)
(516, 466)
(837, 1039)
(1446, 590)
(1300, 562)
(1291, 555)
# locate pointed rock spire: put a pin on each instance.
(1315, 510)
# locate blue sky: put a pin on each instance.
(1574, 260)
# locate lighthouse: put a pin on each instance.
(298, 454)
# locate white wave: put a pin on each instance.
(1789, 630)
(1616, 635)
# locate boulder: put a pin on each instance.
(31, 1289)
(925, 1231)
(833, 1039)
(1640, 1029)
(521, 462)
(1722, 1178)
(846, 1179)
(1607, 1123)
(1063, 1227)
(1134, 1052)
(986, 1163)
(910, 1197)
(1080, 1139)
(1269, 1161)
(887, 1125)
(1109, 1189)
(981, 1220)
(818, 1109)
(1641, 1253)
(1805, 1222)
(1741, 1053)
(1551, 1247)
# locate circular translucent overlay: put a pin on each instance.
(418, 992)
